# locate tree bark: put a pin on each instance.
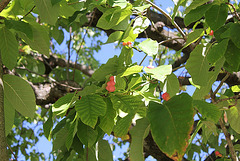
(3, 142)
(3, 4)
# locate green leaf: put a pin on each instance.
(171, 124)
(20, 26)
(149, 46)
(208, 110)
(175, 9)
(234, 35)
(217, 51)
(216, 16)
(73, 128)
(140, 24)
(9, 115)
(105, 69)
(89, 108)
(160, 72)
(195, 4)
(104, 151)
(198, 66)
(194, 36)
(60, 139)
(212, 77)
(63, 103)
(138, 134)
(208, 128)
(120, 83)
(232, 57)
(107, 121)
(58, 35)
(87, 135)
(114, 37)
(53, 2)
(88, 90)
(233, 115)
(112, 17)
(47, 12)
(122, 125)
(125, 59)
(126, 103)
(48, 125)
(171, 85)
(134, 81)
(132, 70)
(129, 35)
(196, 14)
(19, 95)
(41, 41)
(8, 48)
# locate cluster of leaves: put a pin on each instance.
(86, 116)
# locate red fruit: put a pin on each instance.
(110, 88)
(111, 78)
(124, 43)
(211, 33)
(218, 154)
(111, 83)
(129, 43)
(166, 96)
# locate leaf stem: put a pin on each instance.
(168, 17)
(220, 85)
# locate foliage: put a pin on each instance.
(78, 121)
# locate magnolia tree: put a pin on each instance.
(79, 102)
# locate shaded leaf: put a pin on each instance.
(104, 151)
(171, 85)
(171, 124)
(195, 4)
(19, 95)
(122, 125)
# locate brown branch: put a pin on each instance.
(3, 4)
(235, 11)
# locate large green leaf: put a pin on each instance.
(138, 134)
(126, 103)
(196, 14)
(171, 85)
(87, 135)
(89, 108)
(114, 37)
(107, 121)
(212, 76)
(20, 26)
(232, 57)
(112, 17)
(235, 35)
(8, 48)
(122, 125)
(171, 124)
(195, 4)
(132, 70)
(216, 16)
(72, 130)
(47, 12)
(160, 72)
(208, 110)
(140, 24)
(149, 46)
(217, 51)
(41, 41)
(105, 69)
(104, 151)
(19, 95)
(198, 66)
(9, 115)
(60, 139)
(233, 115)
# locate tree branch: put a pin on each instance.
(3, 4)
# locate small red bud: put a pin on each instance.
(124, 43)
(150, 67)
(166, 96)
(110, 88)
(111, 78)
(218, 154)
(111, 83)
(211, 33)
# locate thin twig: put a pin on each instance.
(178, 68)
(168, 17)
(12, 152)
(229, 141)
(235, 11)
(221, 83)
(69, 51)
(162, 42)
(229, 98)
(28, 13)
(143, 60)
